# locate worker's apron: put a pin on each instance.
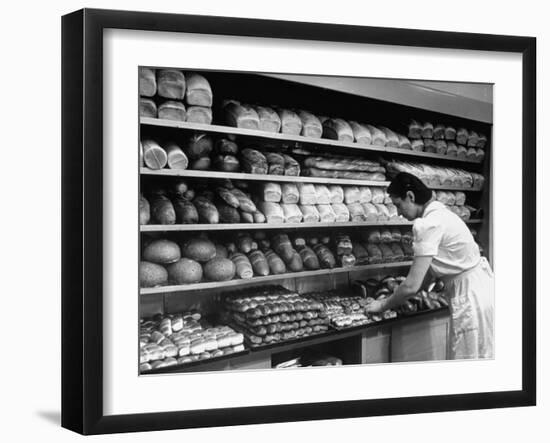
(471, 303)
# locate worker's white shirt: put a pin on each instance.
(441, 234)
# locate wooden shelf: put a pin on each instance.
(189, 173)
(266, 279)
(296, 139)
(273, 226)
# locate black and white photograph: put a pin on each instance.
(293, 221)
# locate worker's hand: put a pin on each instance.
(375, 307)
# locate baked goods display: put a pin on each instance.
(176, 339)
(173, 94)
(273, 314)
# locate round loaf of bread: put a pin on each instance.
(199, 249)
(219, 269)
(185, 271)
(151, 275)
(162, 251)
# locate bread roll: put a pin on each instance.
(452, 149)
(361, 134)
(403, 142)
(176, 159)
(414, 130)
(462, 136)
(439, 132)
(322, 194)
(392, 141)
(271, 192)
(450, 133)
(337, 129)
(347, 260)
(199, 114)
(269, 120)
(417, 145)
(308, 195)
(378, 137)
(310, 213)
(172, 110)
(372, 236)
(480, 154)
(336, 194)
(427, 130)
(199, 92)
(471, 154)
(273, 212)
(441, 147)
(341, 211)
(171, 84)
(326, 214)
(290, 193)
(241, 116)
(461, 152)
(147, 82)
(429, 145)
(473, 138)
(147, 108)
(292, 213)
(311, 125)
(290, 122)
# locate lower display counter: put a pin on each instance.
(422, 336)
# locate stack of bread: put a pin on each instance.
(385, 245)
(174, 95)
(343, 310)
(343, 167)
(175, 339)
(273, 314)
(437, 175)
(447, 140)
(456, 202)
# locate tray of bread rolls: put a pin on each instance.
(175, 340)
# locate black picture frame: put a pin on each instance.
(82, 159)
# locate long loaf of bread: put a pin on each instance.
(154, 156)
(343, 164)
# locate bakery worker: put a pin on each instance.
(443, 244)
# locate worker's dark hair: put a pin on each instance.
(404, 182)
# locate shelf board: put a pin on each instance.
(272, 226)
(189, 173)
(297, 139)
(266, 279)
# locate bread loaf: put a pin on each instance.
(290, 122)
(360, 253)
(152, 274)
(385, 236)
(322, 194)
(378, 137)
(395, 234)
(427, 130)
(325, 256)
(387, 254)
(309, 258)
(269, 120)
(227, 196)
(460, 198)
(351, 195)
(227, 163)
(199, 145)
(337, 129)
(481, 141)
(347, 260)
(199, 114)
(392, 211)
(186, 213)
(244, 243)
(441, 147)
(462, 136)
(343, 244)
(147, 82)
(200, 164)
(375, 254)
(417, 145)
(292, 167)
(290, 193)
(221, 251)
(372, 236)
(343, 164)
(378, 195)
(208, 213)
(473, 138)
(184, 271)
(429, 145)
(392, 141)
(225, 146)
(414, 130)
(311, 125)
(471, 154)
(307, 194)
(245, 204)
(199, 92)
(273, 212)
(370, 211)
(241, 116)
(259, 263)
(199, 249)
(403, 142)
(282, 246)
(258, 217)
(398, 253)
(144, 210)
(161, 251)
(253, 161)
(341, 211)
(276, 265)
(452, 149)
(227, 214)
(171, 84)
(176, 159)
(310, 213)
(295, 264)
(276, 163)
(461, 152)
(271, 192)
(356, 212)
(246, 217)
(154, 156)
(172, 110)
(439, 132)
(326, 214)
(219, 269)
(480, 154)
(292, 213)
(373, 176)
(336, 194)
(361, 134)
(162, 210)
(450, 133)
